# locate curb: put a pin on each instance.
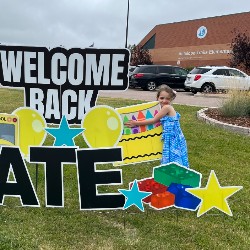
(211, 95)
(233, 128)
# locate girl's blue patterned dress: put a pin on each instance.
(174, 143)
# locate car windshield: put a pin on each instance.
(199, 70)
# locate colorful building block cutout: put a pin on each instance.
(162, 200)
(149, 185)
(174, 173)
(183, 199)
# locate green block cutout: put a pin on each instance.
(173, 173)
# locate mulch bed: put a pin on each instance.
(239, 121)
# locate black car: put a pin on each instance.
(130, 71)
(148, 77)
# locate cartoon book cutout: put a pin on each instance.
(142, 143)
(9, 128)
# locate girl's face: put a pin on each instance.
(164, 98)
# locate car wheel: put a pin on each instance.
(151, 86)
(207, 88)
(194, 91)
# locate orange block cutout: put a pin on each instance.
(162, 200)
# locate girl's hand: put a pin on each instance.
(130, 124)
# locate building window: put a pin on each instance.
(150, 44)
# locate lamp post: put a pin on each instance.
(126, 43)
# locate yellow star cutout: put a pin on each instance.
(213, 195)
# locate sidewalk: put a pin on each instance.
(215, 95)
(183, 98)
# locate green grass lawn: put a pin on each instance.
(210, 148)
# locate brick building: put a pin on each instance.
(198, 42)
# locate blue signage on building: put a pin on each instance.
(202, 32)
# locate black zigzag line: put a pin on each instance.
(140, 137)
(129, 158)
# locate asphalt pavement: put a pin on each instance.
(184, 98)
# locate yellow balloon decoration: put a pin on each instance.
(31, 128)
(103, 127)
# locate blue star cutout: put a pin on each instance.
(134, 196)
(64, 134)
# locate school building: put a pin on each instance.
(198, 42)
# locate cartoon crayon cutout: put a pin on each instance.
(126, 130)
(149, 116)
(158, 123)
(135, 130)
(141, 117)
(144, 142)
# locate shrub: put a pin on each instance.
(189, 68)
(240, 55)
(139, 55)
(237, 105)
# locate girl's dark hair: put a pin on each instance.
(166, 88)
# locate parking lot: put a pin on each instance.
(185, 98)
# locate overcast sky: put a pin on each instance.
(79, 23)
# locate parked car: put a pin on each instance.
(211, 78)
(148, 77)
(130, 71)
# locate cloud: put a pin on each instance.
(79, 23)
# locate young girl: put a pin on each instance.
(174, 143)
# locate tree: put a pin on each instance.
(240, 55)
(139, 55)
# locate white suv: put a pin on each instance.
(212, 78)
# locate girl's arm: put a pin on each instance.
(164, 111)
